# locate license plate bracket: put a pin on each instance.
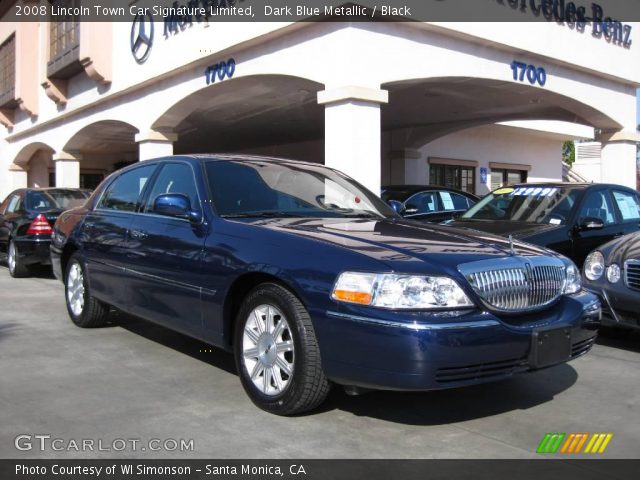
(549, 347)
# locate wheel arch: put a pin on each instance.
(68, 250)
(239, 289)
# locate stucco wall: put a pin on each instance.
(492, 143)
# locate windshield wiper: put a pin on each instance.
(362, 215)
(262, 215)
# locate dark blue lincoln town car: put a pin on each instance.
(311, 280)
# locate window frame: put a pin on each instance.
(146, 194)
(458, 176)
(616, 207)
(421, 192)
(607, 195)
(100, 201)
(524, 176)
(64, 62)
(8, 72)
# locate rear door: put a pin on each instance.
(104, 231)
(6, 211)
(13, 219)
(164, 255)
(628, 205)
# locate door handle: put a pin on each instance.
(89, 225)
(138, 234)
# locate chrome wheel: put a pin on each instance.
(267, 349)
(75, 289)
(11, 259)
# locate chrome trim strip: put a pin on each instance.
(166, 281)
(516, 284)
(414, 326)
(636, 264)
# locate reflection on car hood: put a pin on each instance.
(520, 230)
(623, 248)
(392, 241)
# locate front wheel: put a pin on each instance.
(277, 354)
(85, 310)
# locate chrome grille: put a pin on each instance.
(516, 283)
(632, 274)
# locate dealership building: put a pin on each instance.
(468, 105)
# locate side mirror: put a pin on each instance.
(591, 223)
(411, 209)
(176, 205)
(396, 206)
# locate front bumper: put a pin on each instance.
(33, 250)
(386, 350)
(627, 304)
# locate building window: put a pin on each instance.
(64, 42)
(453, 176)
(502, 176)
(8, 72)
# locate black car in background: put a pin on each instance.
(26, 219)
(613, 273)
(570, 218)
(427, 202)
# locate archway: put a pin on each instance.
(261, 114)
(100, 148)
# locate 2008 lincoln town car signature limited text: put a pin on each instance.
(311, 280)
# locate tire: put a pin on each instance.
(17, 269)
(85, 310)
(277, 354)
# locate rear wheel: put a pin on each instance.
(17, 269)
(277, 354)
(85, 310)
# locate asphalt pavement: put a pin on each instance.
(144, 387)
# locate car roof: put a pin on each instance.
(245, 158)
(559, 184)
(419, 188)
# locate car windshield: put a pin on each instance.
(534, 204)
(286, 189)
(56, 199)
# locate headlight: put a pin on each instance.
(574, 282)
(594, 266)
(613, 273)
(399, 291)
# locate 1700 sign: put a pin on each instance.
(220, 71)
(531, 73)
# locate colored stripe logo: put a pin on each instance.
(574, 443)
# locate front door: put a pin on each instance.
(164, 256)
(595, 204)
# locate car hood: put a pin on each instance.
(623, 248)
(397, 242)
(520, 230)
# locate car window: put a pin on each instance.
(266, 188)
(15, 204)
(535, 204)
(423, 202)
(628, 205)
(597, 205)
(58, 199)
(124, 193)
(174, 178)
(453, 201)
